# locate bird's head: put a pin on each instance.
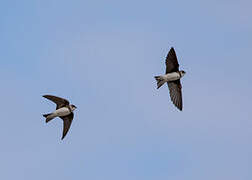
(182, 73)
(73, 107)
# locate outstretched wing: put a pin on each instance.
(61, 102)
(67, 120)
(176, 93)
(171, 61)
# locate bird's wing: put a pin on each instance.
(176, 93)
(171, 61)
(67, 120)
(61, 102)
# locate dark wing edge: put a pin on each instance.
(67, 121)
(171, 61)
(176, 93)
(61, 102)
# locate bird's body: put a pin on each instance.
(63, 110)
(172, 78)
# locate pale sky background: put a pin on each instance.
(102, 56)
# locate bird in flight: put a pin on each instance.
(172, 77)
(64, 110)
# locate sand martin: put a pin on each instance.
(63, 110)
(172, 77)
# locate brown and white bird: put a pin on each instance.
(172, 77)
(63, 110)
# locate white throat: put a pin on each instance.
(72, 108)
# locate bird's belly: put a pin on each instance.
(62, 112)
(172, 76)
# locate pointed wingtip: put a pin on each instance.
(180, 108)
(45, 96)
(63, 136)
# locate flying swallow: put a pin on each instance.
(172, 77)
(64, 110)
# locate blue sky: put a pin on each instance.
(107, 52)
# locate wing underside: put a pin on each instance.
(176, 93)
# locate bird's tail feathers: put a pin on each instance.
(160, 81)
(48, 117)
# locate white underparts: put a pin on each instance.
(171, 76)
(61, 112)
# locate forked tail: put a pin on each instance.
(48, 117)
(160, 81)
